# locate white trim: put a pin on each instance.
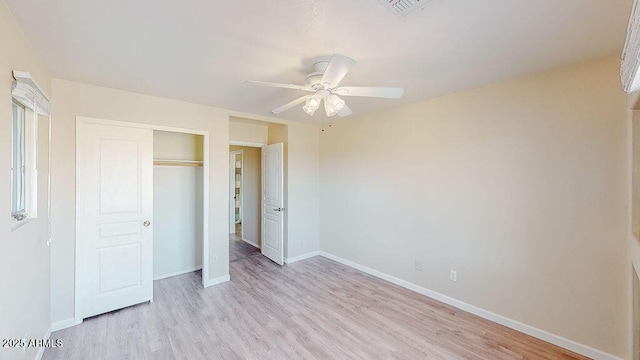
(41, 349)
(232, 189)
(15, 224)
(633, 254)
(30, 163)
(246, 143)
(77, 244)
(255, 245)
(216, 281)
(301, 257)
(205, 204)
(502, 320)
(205, 191)
(63, 324)
(176, 273)
(91, 120)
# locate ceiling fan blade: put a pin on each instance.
(276, 85)
(288, 106)
(338, 67)
(380, 92)
(345, 111)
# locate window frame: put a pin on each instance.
(29, 160)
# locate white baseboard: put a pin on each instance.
(40, 352)
(502, 320)
(176, 273)
(63, 324)
(301, 257)
(255, 245)
(216, 281)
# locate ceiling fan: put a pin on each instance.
(323, 83)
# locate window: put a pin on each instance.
(30, 107)
(18, 165)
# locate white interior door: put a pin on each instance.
(114, 217)
(273, 202)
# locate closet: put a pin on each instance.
(177, 203)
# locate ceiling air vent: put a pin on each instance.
(404, 8)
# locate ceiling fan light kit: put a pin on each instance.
(323, 82)
(311, 107)
(332, 105)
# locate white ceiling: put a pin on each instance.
(202, 50)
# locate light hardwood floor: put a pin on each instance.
(313, 309)
(239, 249)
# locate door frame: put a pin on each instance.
(205, 193)
(232, 189)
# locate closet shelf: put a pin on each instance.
(163, 162)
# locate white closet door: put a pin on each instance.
(115, 210)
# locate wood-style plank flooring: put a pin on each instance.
(239, 249)
(313, 309)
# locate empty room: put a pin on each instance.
(365, 179)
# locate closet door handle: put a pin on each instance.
(146, 223)
(278, 209)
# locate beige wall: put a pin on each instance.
(519, 186)
(177, 146)
(71, 99)
(254, 133)
(302, 151)
(251, 192)
(24, 255)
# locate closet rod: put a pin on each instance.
(158, 162)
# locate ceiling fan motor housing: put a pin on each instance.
(313, 80)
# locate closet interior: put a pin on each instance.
(177, 203)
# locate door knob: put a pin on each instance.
(278, 209)
(146, 223)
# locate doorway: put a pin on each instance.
(256, 202)
(115, 220)
(269, 234)
(245, 192)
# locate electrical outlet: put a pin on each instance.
(453, 275)
(418, 265)
(215, 259)
(301, 240)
